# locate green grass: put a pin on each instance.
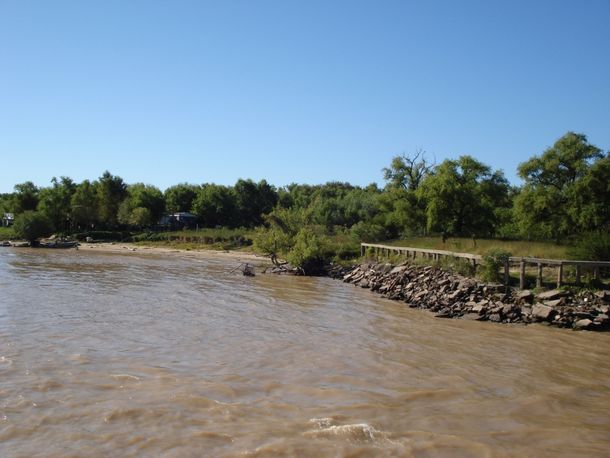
(6, 233)
(546, 250)
(208, 238)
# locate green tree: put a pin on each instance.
(462, 197)
(143, 206)
(111, 190)
(31, 225)
(253, 200)
(25, 197)
(56, 202)
(407, 172)
(215, 205)
(565, 191)
(84, 205)
(179, 198)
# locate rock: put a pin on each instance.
(473, 316)
(444, 313)
(603, 295)
(554, 303)
(602, 319)
(552, 294)
(542, 312)
(582, 324)
(479, 308)
(526, 295)
(495, 317)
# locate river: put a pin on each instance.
(125, 355)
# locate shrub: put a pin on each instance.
(593, 246)
(493, 260)
(310, 252)
(31, 225)
(368, 232)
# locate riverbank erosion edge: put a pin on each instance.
(450, 295)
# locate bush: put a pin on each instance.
(310, 252)
(31, 225)
(368, 232)
(493, 261)
(593, 246)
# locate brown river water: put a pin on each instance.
(125, 355)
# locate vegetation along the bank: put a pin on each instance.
(562, 207)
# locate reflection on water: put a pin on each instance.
(131, 355)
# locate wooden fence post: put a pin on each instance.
(522, 274)
(577, 274)
(506, 273)
(560, 275)
(539, 276)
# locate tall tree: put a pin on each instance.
(215, 205)
(84, 205)
(462, 197)
(550, 202)
(179, 198)
(253, 200)
(407, 172)
(25, 197)
(143, 205)
(111, 190)
(56, 202)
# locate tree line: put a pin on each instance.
(565, 193)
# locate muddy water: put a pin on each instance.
(127, 355)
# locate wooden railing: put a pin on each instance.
(540, 263)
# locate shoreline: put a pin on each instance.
(132, 248)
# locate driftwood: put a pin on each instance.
(246, 269)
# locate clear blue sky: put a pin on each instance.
(164, 92)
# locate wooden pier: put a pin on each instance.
(475, 259)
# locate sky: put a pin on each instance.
(167, 92)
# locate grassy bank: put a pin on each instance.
(547, 250)
(208, 238)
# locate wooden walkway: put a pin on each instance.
(523, 262)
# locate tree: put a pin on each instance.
(111, 190)
(56, 202)
(407, 172)
(215, 205)
(84, 205)
(253, 200)
(31, 225)
(565, 191)
(25, 197)
(462, 197)
(179, 198)
(143, 206)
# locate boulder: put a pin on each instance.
(526, 295)
(551, 295)
(542, 312)
(583, 324)
(554, 303)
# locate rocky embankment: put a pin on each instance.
(453, 296)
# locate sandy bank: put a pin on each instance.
(126, 248)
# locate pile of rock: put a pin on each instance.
(453, 296)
